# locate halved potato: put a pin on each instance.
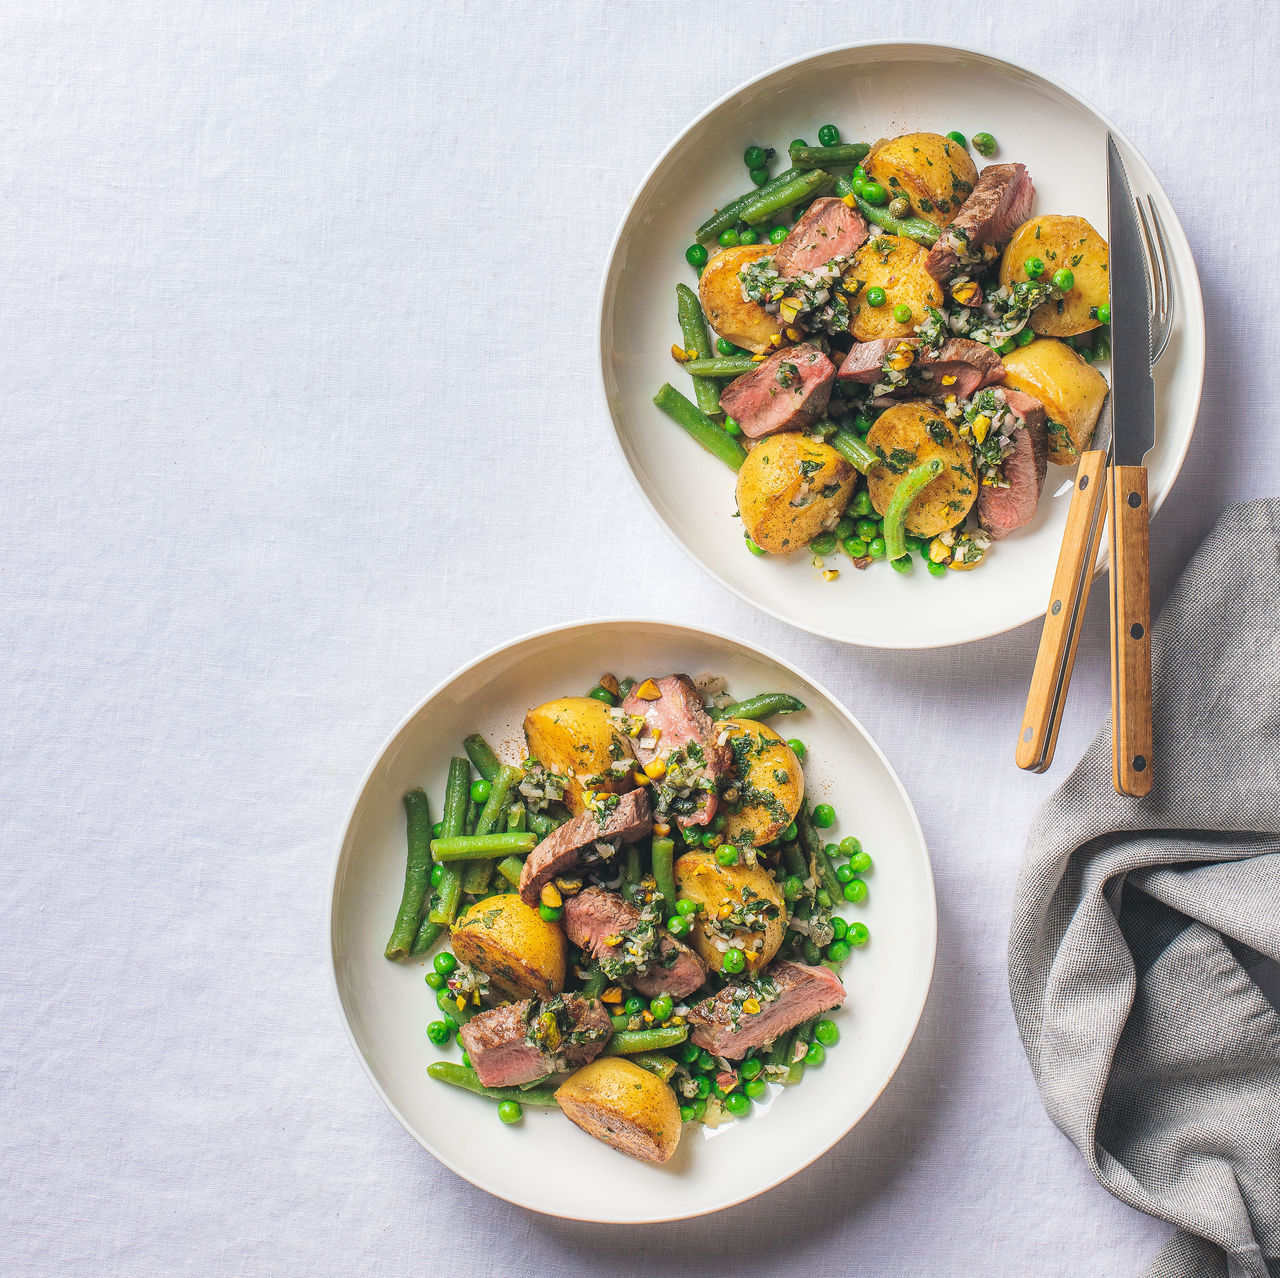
(932, 172)
(1071, 390)
(576, 738)
(790, 489)
(723, 890)
(907, 435)
(745, 323)
(519, 950)
(625, 1106)
(896, 264)
(771, 777)
(1062, 242)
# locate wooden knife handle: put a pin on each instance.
(1064, 616)
(1130, 630)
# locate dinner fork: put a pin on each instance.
(1086, 518)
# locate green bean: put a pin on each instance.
(820, 863)
(767, 202)
(691, 418)
(763, 705)
(510, 867)
(845, 155)
(655, 1063)
(626, 1042)
(913, 228)
(473, 815)
(460, 1076)
(596, 980)
(457, 798)
(801, 1036)
(467, 846)
(417, 876)
(476, 876)
(778, 1050)
(722, 366)
(794, 861)
(631, 864)
(854, 450)
(693, 331)
(482, 756)
(541, 824)
(662, 854)
(724, 218)
(428, 934)
(518, 818)
(895, 516)
(448, 1005)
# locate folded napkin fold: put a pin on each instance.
(1137, 923)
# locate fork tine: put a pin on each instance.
(1170, 300)
(1159, 275)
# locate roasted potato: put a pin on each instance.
(896, 264)
(907, 435)
(576, 738)
(1062, 242)
(625, 1106)
(522, 953)
(1071, 391)
(931, 171)
(790, 489)
(746, 323)
(741, 905)
(772, 780)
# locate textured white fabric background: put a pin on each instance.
(262, 489)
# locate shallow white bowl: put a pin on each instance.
(870, 91)
(546, 1163)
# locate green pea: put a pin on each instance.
(862, 502)
(686, 1113)
(729, 238)
(844, 527)
(914, 545)
(791, 833)
(678, 925)
(755, 1088)
(752, 547)
(480, 792)
(937, 570)
(778, 234)
(838, 951)
(812, 954)
(874, 193)
(984, 144)
(436, 831)
(1026, 336)
(828, 135)
(867, 529)
(823, 543)
(435, 980)
(843, 873)
(860, 862)
(603, 694)
(860, 178)
(731, 427)
(827, 1033)
(687, 905)
(1064, 280)
(823, 899)
(737, 1104)
(696, 255)
(759, 176)
(855, 547)
(439, 1032)
(706, 1062)
(902, 312)
(855, 891)
(437, 872)
(795, 142)
(725, 347)
(633, 1006)
(862, 424)
(749, 236)
(727, 855)
(815, 1055)
(792, 886)
(753, 157)
(959, 139)
(902, 563)
(661, 1007)
(838, 928)
(734, 960)
(1034, 268)
(510, 1112)
(750, 1067)
(875, 296)
(703, 1085)
(551, 913)
(719, 824)
(797, 747)
(466, 1061)
(849, 846)
(444, 963)
(1006, 346)
(824, 816)
(875, 548)
(1103, 313)
(688, 1051)
(699, 1108)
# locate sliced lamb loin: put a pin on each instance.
(801, 992)
(1001, 510)
(602, 923)
(865, 359)
(535, 1037)
(561, 851)
(830, 228)
(970, 365)
(998, 204)
(788, 391)
(676, 720)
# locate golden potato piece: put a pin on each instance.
(742, 908)
(772, 778)
(896, 264)
(1071, 390)
(520, 951)
(790, 489)
(907, 435)
(1062, 242)
(745, 323)
(932, 172)
(625, 1106)
(576, 738)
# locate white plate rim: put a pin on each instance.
(931, 917)
(1193, 307)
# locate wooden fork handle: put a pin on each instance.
(1064, 616)
(1130, 630)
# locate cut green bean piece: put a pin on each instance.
(457, 799)
(895, 516)
(499, 797)
(767, 202)
(689, 417)
(481, 845)
(655, 1063)
(722, 366)
(855, 451)
(845, 155)
(482, 756)
(628, 1042)
(510, 867)
(417, 876)
(693, 331)
(662, 856)
(762, 706)
(428, 935)
(913, 228)
(460, 1076)
(802, 1038)
(728, 216)
(631, 864)
(541, 824)
(595, 983)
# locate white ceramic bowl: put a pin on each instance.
(870, 91)
(546, 1163)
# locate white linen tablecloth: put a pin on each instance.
(254, 506)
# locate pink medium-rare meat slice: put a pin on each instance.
(865, 361)
(789, 391)
(998, 204)
(632, 946)
(959, 367)
(562, 850)
(723, 1026)
(679, 731)
(1001, 510)
(830, 228)
(535, 1037)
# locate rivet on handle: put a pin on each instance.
(1135, 500)
(1136, 630)
(1057, 607)
(1139, 763)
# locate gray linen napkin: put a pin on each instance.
(1137, 921)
